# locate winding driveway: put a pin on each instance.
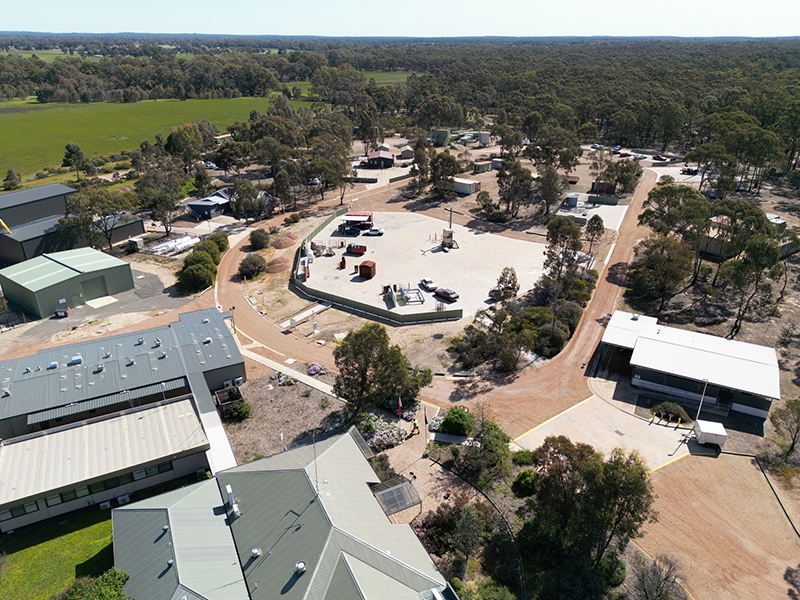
(518, 402)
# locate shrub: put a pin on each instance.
(252, 266)
(221, 240)
(195, 278)
(612, 570)
(552, 338)
(526, 482)
(458, 421)
(211, 248)
(294, 218)
(259, 239)
(382, 468)
(238, 411)
(523, 457)
(671, 408)
(200, 257)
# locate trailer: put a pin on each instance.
(356, 249)
(710, 432)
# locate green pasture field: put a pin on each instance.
(46, 55)
(33, 135)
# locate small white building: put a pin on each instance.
(736, 376)
(460, 186)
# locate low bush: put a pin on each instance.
(382, 468)
(526, 482)
(221, 240)
(523, 457)
(611, 570)
(238, 411)
(671, 408)
(259, 239)
(252, 266)
(458, 421)
(200, 257)
(294, 218)
(210, 247)
(194, 279)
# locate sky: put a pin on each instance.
(411, 18)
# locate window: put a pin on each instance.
(111, 483)
(17, 511)
(5, 515)
(81, 492)
(137, 475)
(31, 507)
(164, 467)
(97, 487)
(53, 500)
(125, 478)
(151, 471)
(67, 496)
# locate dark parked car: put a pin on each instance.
(61, 313)
(352, 231)
(446, 294)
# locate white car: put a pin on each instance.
(428, 284)
(375, 231)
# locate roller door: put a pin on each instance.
(94, 288)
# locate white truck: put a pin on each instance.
(710, 432)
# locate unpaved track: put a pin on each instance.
(517, 403)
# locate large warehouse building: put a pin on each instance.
(727, 374)
(95, 421)
(55, 281)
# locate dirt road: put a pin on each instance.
(519, 402)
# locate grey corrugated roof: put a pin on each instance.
(34, 229)
(59, 458)
(33, 194)
(342, 584)
(136, 529)
(86, 260)
(282, 517)
(110, 400)
(206, 564)
(42, 388)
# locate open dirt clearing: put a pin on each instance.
(719, 517)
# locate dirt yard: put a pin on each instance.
(720, 518)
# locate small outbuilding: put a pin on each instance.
(406, 153)
(459, 185)
(380, 159)
(366, 270)
(482, 166)
(49, 282)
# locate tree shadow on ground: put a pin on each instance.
(617, 273)
(468, 390)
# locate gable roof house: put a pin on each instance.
(303, 524)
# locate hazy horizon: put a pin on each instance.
(413, 19)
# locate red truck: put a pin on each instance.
(356, 249)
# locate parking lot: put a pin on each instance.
(410, 250)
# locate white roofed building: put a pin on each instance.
(737, 376)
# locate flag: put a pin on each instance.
(399, 407)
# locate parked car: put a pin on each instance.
(352, 231)
(446, 294)
(659, 158)
(375, 231)
(595, 146)
(624, 154)
(210, 165)
(62, 313)
(363, 226)
(689, 171)
(428, 284)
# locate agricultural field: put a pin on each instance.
(47, 56)
(33, 135)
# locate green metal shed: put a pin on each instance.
(64, 279)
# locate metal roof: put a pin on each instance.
(57, 458)
(198, 540)
(38, 273)
(109, 400)
(339, 531)
(35, 194)
(700, 356)
(199, 342)
(34, 229)
(86, 260)
(624, 328)
(218, 198)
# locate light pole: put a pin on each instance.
(702, 397)
(233, 320)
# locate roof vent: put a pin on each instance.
(635, 317)
(27, 370)
(140, 341)
(158, 342)
(229, 493)
(300, 567)
(170, 562)
(165, 528)
(100, 366)
(207, 340)
(205, 320)
(256, 552)
(164, 354)
(236, 512)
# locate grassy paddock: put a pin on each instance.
(42, 560)
(34, 139)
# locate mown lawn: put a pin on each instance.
(33, 135)
(42, 560)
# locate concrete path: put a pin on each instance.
(605, 427)
(301, 377)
